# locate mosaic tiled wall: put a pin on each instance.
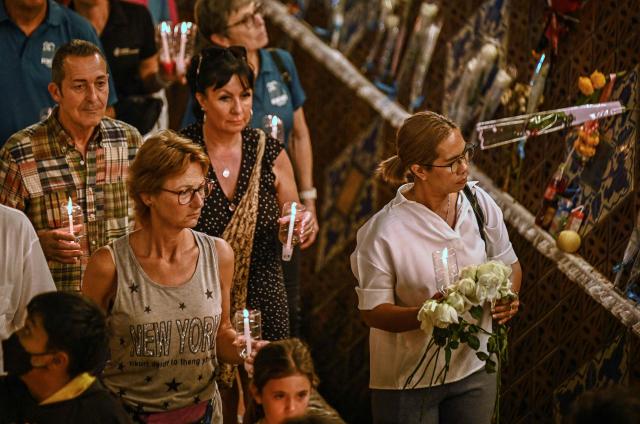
(562, 342)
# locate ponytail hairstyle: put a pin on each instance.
(417, 141)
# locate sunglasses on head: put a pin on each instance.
(216, 53)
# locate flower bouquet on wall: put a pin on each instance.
(454, 319)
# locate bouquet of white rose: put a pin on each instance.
(443, 320)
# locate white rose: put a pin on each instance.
(426, 315)
(481, 294)
(469, 272)
(444, 315)
(457, 302)
(466, 287)
(491, 282)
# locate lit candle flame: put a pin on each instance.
(245, 313)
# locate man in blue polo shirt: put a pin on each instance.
(30, 33)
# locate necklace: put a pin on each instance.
(226, 172)
(446, 217)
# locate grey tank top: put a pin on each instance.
(163, 341)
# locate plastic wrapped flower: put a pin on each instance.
(598, 80)
(585, 85)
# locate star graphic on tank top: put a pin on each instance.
(133, 287)
(196, 400)
(122, 342)
(209, 294)
(120, 366)
(147, 379)
(172, 385)
(147, 309)
(182, 306)
(122, 392)
(165, 404)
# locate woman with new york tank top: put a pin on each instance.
(166, 290)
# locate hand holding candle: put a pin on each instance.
(70, 215)
(290, 228)
(248, 326)
(247, 331)
(67, 242)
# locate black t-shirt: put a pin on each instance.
(128, 38)
(94, 405)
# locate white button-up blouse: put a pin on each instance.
(393, 264)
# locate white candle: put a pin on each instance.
(274, 126)
(445, 263)
(70, 213)
(180, 60)
(165, 54)
(287, 250)
(247, 331)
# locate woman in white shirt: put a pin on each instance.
(393, 265)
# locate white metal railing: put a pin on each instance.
(575, 267)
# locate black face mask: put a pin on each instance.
(17, 361)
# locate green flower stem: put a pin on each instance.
(424, 355)
(426, 367)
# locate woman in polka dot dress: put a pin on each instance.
(222, 83)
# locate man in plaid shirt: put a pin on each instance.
(76, 153)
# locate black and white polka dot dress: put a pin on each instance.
(265, 289)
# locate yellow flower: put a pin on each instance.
(585, 86)
(598, 80)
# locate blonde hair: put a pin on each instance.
(163, 155)
(417, 141)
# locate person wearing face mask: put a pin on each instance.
(23, 270)
(51, 363)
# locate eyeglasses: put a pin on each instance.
(186, 196)
(456, 163)
(215, 53)
(249, 20)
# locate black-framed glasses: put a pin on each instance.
(214, 53)
(249, 20)
(456, 163)
(186, 196)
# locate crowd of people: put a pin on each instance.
(124, 314)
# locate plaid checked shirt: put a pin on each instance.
(40, 169)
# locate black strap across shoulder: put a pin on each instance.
(286, 76)
(477, 210)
